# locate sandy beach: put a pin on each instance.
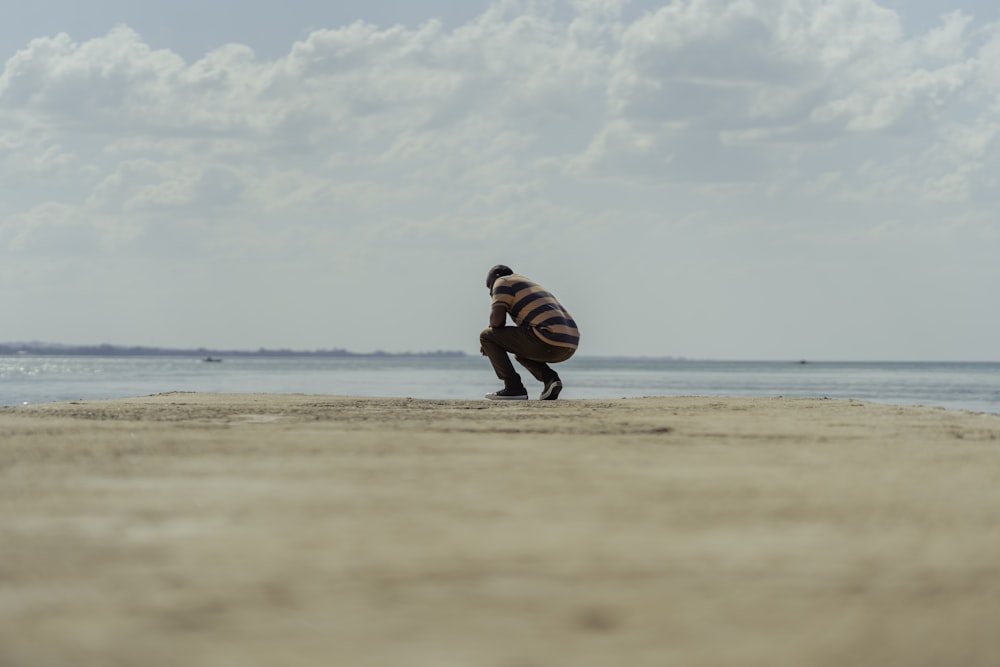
(243, 530)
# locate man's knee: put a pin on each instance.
(486, 335)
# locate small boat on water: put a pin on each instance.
(212, 360)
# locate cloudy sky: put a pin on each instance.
(735, 179)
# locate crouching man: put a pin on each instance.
(544, 333)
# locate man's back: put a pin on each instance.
(529, 304)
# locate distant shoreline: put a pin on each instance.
(108, 350)
(105, 350)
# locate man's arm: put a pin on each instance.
(498, 316)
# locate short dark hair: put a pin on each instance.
(496, 272)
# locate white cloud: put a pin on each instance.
(536, 130)
(50, 229)
(949, 41)
(697, 81)
(114, 79)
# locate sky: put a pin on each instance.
(741, 179)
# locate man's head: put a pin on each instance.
(496, 272)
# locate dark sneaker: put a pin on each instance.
(551, 391)
(509, 395)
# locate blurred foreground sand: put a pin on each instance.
(198, 530)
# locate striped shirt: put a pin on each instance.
(530, 305)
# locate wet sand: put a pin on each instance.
(216, 530)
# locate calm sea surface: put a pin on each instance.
(40, 379)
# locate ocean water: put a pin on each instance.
(26, 379)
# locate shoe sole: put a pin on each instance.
(552, 392)
(494, 397)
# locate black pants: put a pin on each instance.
(530, 351)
